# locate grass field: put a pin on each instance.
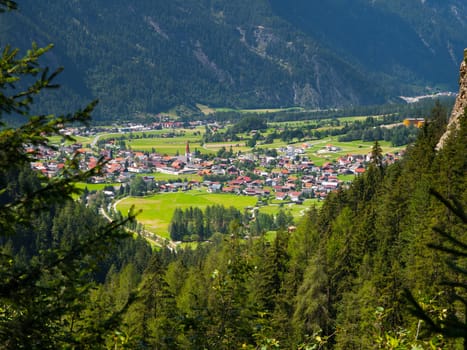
(93, 187)
(169, 146)
(168, 177)
(162, 145)
(157, 210)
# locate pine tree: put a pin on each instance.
(41, 296)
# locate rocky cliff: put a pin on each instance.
(461, 102)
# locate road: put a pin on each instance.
(150, 236)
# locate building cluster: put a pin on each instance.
(289, 175)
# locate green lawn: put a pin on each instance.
(157, 210)
(163, 145)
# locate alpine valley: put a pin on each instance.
(260, 227)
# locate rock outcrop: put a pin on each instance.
(460, 105)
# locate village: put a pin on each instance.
(285, 174)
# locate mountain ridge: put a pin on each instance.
(148, 56)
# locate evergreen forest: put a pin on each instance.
(381, 265)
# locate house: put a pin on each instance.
(295, 196)
(281, 196)
(417, 122)
(215, 187)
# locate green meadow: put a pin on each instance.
(169, 146)
(171, 177)
(157, 210)
(164, 145)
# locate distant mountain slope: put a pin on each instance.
(417, 41)
(147, 56)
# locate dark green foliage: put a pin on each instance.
(384, 29)
(194, 224)
(337, 282)
(148, 57)
(50, 246)
(249, 123)
(454, 324)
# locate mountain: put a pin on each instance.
(460, 106)
(415, 41)
(149, 56)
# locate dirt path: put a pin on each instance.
(150, 236)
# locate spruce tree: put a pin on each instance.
(42, 296)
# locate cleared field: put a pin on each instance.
(57, 140)
(157, 210)
(170, 146)
(94, 187)
(236, 146)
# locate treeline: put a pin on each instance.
(398, 136)
(371, 129)
(399, 111)
(193, 224)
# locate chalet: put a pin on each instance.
(281, 196)
(178, 164)
(295, 196)
(256, 183)
(231, 189)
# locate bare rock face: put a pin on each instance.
(461, 102)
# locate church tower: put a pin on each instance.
(187, 152)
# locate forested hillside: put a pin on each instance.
(148, 56)
(342, 280)
(412, 40)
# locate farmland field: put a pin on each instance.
(170, 146)
(157, 210)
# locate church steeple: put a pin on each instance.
(187, 151)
